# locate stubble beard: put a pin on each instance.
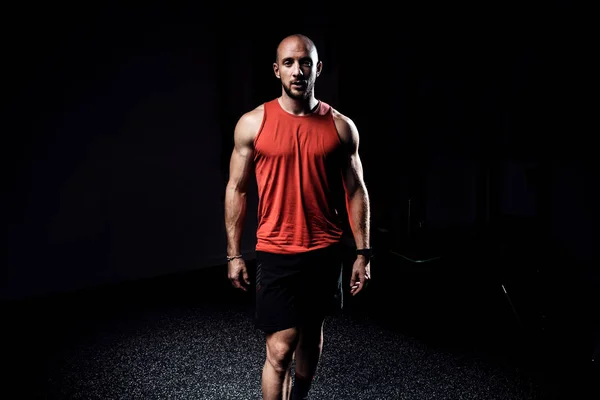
(297, 95)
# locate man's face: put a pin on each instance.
(297, 68)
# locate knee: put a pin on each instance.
(280, 354)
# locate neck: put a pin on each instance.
(298, 107)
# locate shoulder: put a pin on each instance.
(249, 123)
(252, 118)
(346, 128)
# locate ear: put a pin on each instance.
(319, 67)
(276, 70)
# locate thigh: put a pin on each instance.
(276, 292)
(311, 331)
(321, 284)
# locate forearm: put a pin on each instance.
(359, 212)
(235, 212)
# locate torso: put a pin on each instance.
(298, 161)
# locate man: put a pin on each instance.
(303, 153)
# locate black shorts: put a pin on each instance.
(292, 289)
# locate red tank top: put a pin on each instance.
(298, 174)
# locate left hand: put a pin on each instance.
(361, 274)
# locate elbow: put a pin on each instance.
(236, 188)
(359, 191)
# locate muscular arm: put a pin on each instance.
(357, 196)
(240, 170)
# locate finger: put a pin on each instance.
(246, 278)
(361, 285)
(356, 288)
(236, 284)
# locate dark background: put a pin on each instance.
(118, 124)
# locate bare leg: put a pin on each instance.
(307, 356)
(276, 379)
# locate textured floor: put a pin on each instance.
(191, 337)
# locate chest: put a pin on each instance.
(304, 140)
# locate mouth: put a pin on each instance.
(298, 84)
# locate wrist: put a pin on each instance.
(233, 257)
(365, 252)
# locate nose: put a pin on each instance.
(297, 71)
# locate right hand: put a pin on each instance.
(238, 274)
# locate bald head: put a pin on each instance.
(297, 66)
(297, 43)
